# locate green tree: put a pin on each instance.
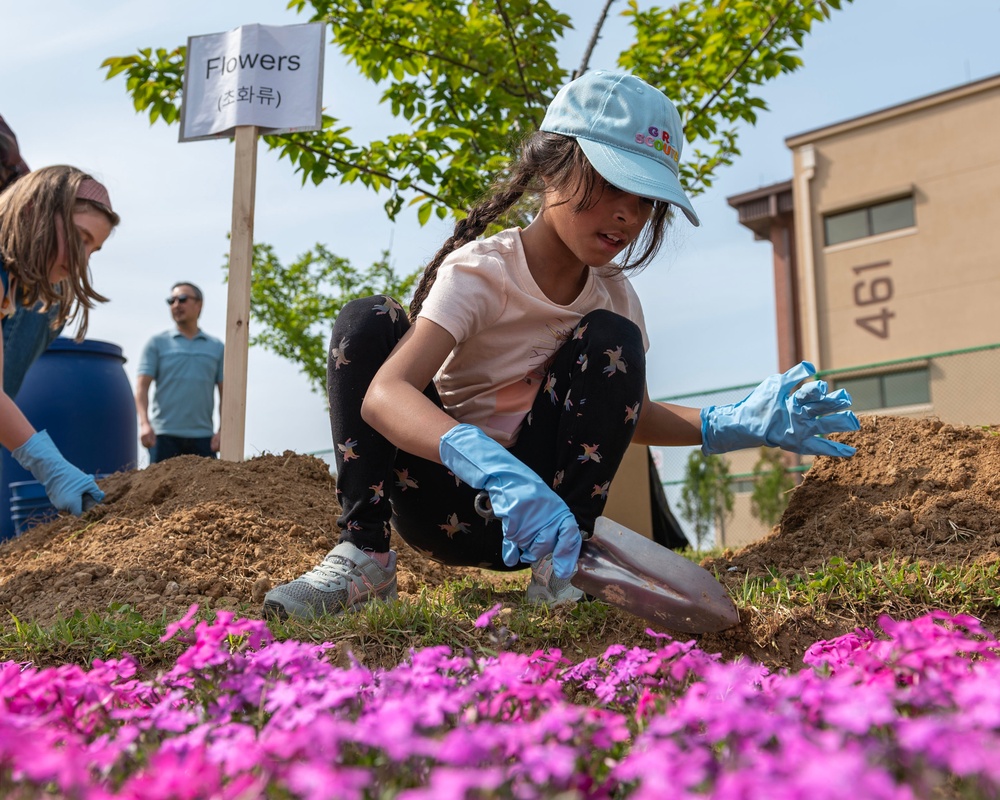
(296, 303)
(771, 485)
(706, 496)
(467, 79)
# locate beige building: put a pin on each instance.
(886, 262)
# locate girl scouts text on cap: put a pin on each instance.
(653, 140)
(222, 65)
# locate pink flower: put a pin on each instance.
(185, 623)
(485, 619)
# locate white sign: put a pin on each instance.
(270, 76)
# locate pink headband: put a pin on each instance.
(94, 191)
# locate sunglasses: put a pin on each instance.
(181, 298)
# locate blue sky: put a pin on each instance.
(708, 299)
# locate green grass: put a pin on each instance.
(863, 590)
(382, 634)
(385, 632)
(80, 638)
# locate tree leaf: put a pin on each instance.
(466, 80)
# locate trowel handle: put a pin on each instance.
(484, 507)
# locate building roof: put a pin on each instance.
(759, 208)
(928, 101)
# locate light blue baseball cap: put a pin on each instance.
(629, 131)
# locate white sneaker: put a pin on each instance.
(547, 590)
(344, 581)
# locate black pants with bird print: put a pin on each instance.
(575, 437)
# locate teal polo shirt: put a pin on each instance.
(185, 373)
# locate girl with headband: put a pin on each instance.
(51, 221)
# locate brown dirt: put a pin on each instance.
(917, 492)
(220, 534)
(187, 530)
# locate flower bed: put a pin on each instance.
(913, 712)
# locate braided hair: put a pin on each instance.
(563, 164)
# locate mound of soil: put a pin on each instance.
(220, 534)
(917, 492)
(187, 530)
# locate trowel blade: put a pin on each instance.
(625, 569)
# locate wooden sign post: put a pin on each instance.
(256, 78)
(234, 371)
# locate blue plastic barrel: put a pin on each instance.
(29, 505)
(80, 394)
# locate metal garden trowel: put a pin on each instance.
(624, 568)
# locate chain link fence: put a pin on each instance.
(960, 387)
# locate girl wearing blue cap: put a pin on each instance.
(520, 370)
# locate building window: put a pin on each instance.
(909, 388)
(869, 221)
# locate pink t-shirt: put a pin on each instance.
(507, 330)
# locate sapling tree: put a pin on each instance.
(295, 303)
(771, 485)
(706, 496)
(466, 80)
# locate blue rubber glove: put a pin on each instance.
(770, 415)
(535, 519)
(68, 488)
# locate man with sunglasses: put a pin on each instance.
(186, 365)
